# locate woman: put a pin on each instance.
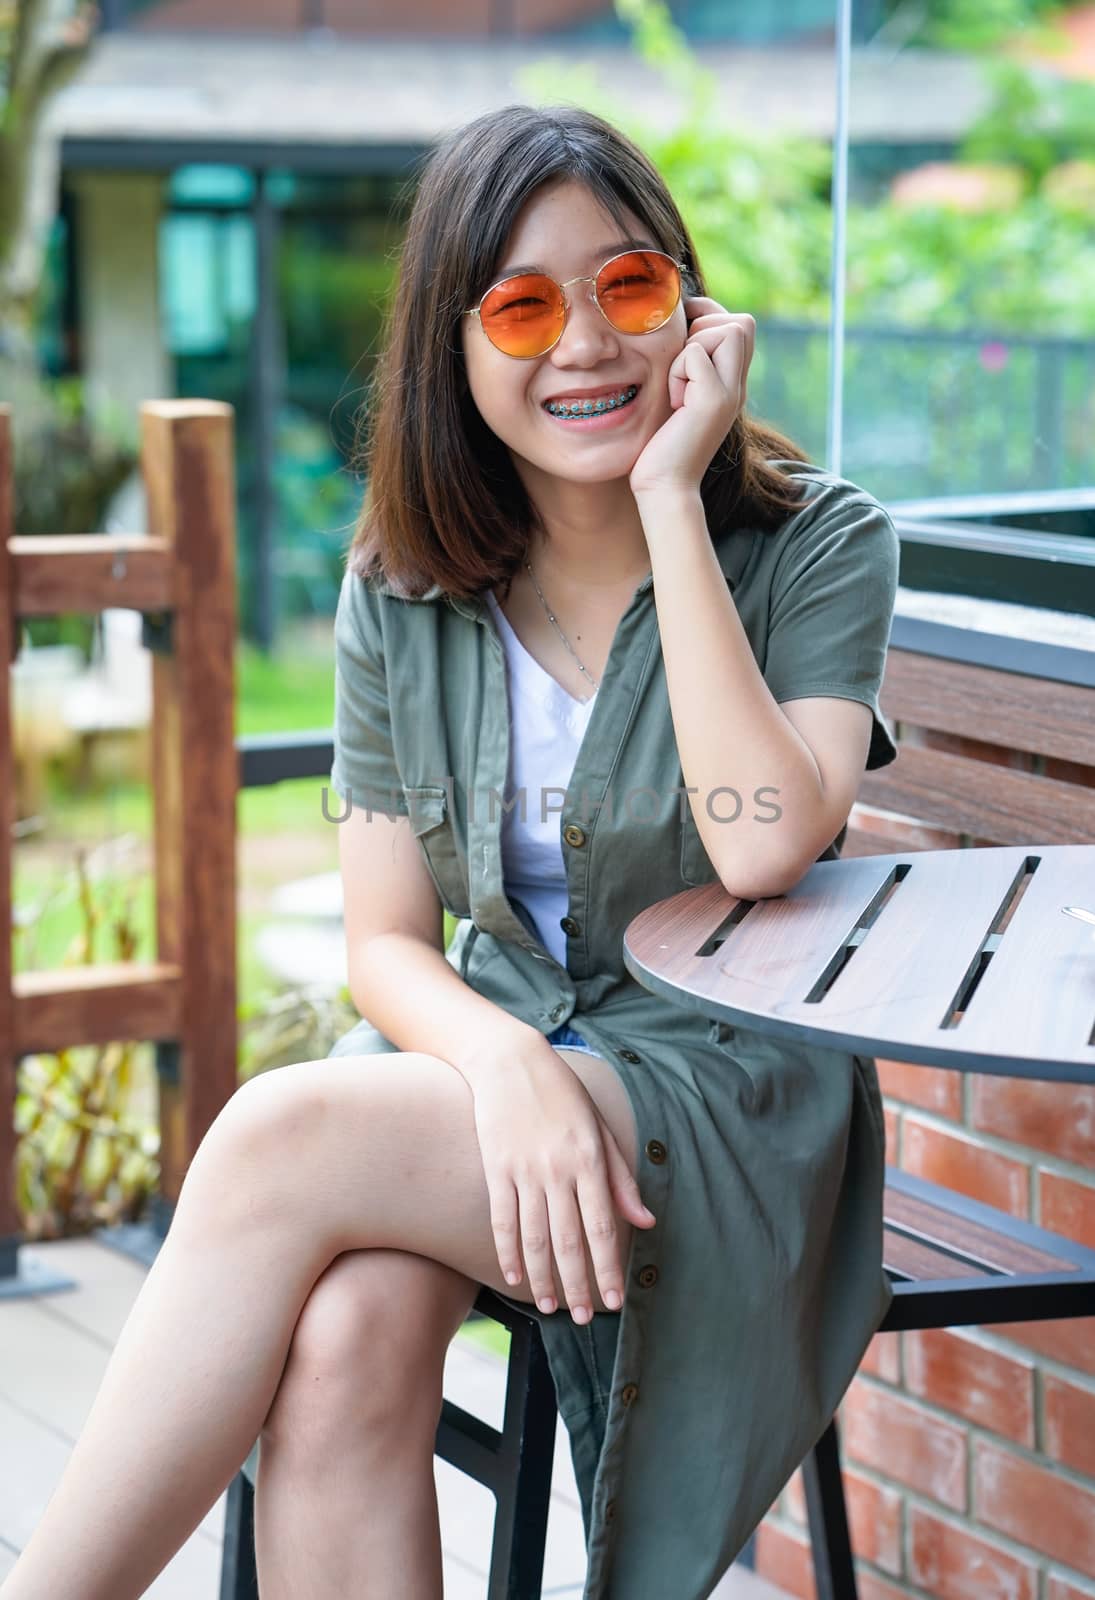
(584, 575)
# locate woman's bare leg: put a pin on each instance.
(346, 1470)
(303, 1163)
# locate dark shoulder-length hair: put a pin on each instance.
(444, 504)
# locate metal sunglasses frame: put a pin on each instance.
(474, 311)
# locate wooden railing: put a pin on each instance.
(182, 576)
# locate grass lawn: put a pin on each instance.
(486, 1334)
(290, 691)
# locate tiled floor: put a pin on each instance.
(54, 1348)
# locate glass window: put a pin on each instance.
(207, 275)
(334, 242)
(969, 314)
(206, 184)
(55, 332)
(338, 241)
(208, 297)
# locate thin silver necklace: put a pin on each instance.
(558, 630)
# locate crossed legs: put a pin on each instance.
(304, 1164)
(345, 1483)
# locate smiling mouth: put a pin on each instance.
(580, 409)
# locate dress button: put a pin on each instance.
(628, 1055)
(558, 1013)
(648, 1277)
(629, 1393)
(610, 1510)
(569, 925)
(657, 1151)
(574, 835)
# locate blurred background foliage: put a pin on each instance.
(972, 24)
(757, 204)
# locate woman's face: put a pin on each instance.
(563, 230)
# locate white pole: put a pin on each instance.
(835, 418)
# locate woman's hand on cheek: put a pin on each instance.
(707, 390)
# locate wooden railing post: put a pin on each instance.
(187, 465)
(181, 576)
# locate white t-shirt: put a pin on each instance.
(546, 728)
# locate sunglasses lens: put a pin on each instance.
(524, 315)
(638, 292)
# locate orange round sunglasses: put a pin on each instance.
(636, 291)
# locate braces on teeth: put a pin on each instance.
(593, 408)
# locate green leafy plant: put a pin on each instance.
(1032, 118)
(86, 1117)
(297, 1023)
(85, 1155)
(977, 24)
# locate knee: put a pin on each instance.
(258, 1136)
(271, 1107)
(366, 1357)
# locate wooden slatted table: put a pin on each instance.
(953, 958)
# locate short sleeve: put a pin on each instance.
(831, 606)
(365, 769)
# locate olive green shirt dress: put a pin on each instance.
(750, 1304)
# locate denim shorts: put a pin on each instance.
(565, 1035)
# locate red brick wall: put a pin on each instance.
(969, 1454)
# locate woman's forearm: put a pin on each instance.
(736, 746)
(407, 989)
